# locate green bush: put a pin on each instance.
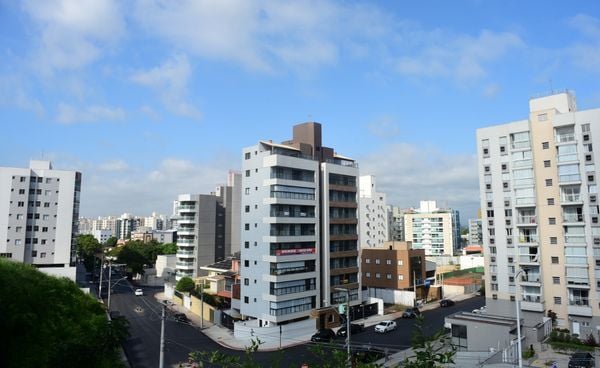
(185, 285)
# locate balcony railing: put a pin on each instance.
(532, 298)
(570, 197)
(528, 239)
(531, 278)
(526, 220)
(569, 178)
(521, 144)
(572, 218)
(563, 138)
(579, 301)
(531, 258)
(574, 239)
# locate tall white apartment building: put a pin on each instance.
(373, 214)
(539, 194)
(434, 229)
(206, 227)
(475, 232)
(396, 223)
(39, 211)
(299, 228)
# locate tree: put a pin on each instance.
(52, 323)
(430, 351)
(111, 242)
(87, 247)
(132, 257)
(169, 248)
(185, 284)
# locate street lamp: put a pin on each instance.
(519, 319)
(347, 291)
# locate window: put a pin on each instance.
(400, 277)
(246, 190)
(46, 217)
(246, 226)
(377, 275)
(46, 204)
(247, 244)
(542, 117)
(553, 240)
(510, 260)
(388, 261)
(246, 281)
(43, 255)
(247, 157)
(388, 276)
(21, 204)
(246, 300)
(21, 191)
(247, 209)
(17, 241)
(246, 263)
(554, 260)
(377, 261)
(34, 253)
(367, 260)
(557, 300)
(548, 182)
(555, 280)
(546, 163)
(18, 229)
(247, 173)
(400, 263)
(551, 220)
(545, 145)
(495, 296)
(550, 201)
(512, 298)
(44, 229)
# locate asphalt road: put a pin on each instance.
(143, 347)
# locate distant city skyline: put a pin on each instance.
(150, 100)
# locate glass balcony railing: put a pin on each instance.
(572, 218)
(579, 301)
(526, 220)
(570, 197)
(563, 138)
(532, 298)
(569, 178)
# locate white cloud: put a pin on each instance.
(12, 93)
(463, 58)
(409, 174)
(491, 90)
(68, 114)
(170, 81)
(585, 53)
(150, 112)
(262, 34)
(143, 190)
(384, 127)
(114, 165)
(73, 33)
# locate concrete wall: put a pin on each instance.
(292, 332)
(390, 296)
(471, 261)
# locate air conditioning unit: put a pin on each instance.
(596, 240)
(592, 198)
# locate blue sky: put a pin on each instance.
(151, 98)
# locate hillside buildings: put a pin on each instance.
(540, 203)
(300, 243)
(39, 208)
(373, 214)
(206, 226)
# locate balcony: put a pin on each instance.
(185, 231)
(579, 307)
(570, 198)
(569, 179)
(531, 280)
(186, 219)
(565, 138)
(528, 220)
(575, 239)
(185, 265)
(185, 253)
(533, 303)
(187, 208)
(185, 241)
(529, 259)
(573, 218)
(527, 239)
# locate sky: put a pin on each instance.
(150, 99)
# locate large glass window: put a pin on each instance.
(567, 173)
(567, 152)
(520, 140)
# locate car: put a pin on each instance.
(446, 303)
(582, 360)
(385, 326)
(139, 292)
(411, 313)
(323, 335)
(181, 317)
(354, 329)
(480, 310)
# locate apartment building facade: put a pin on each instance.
(395, 265)
(540, 213)
(373, 214)
(434, 229)
(475, 232)
(206, 226)
(299, 228)
(39, 212)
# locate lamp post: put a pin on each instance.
(110, 258)
(519, 320)
(347, 291)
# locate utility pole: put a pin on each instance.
(202, 305)
(415, 287)
(347, 291)
(101, 273)
(161, 361)
(279, 337)
(109, 278)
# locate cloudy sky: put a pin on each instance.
(150, 98)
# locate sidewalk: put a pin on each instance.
(224, 336)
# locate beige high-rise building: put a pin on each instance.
(540, 214)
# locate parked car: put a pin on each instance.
(446, 303)
(411, 313)
(354, 329)
(181, 317)
(323, 335)
(582, 360)
(385, 326)
(139, 292)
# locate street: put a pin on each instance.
(143, 347)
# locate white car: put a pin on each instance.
(385, 326)
(139, 292)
